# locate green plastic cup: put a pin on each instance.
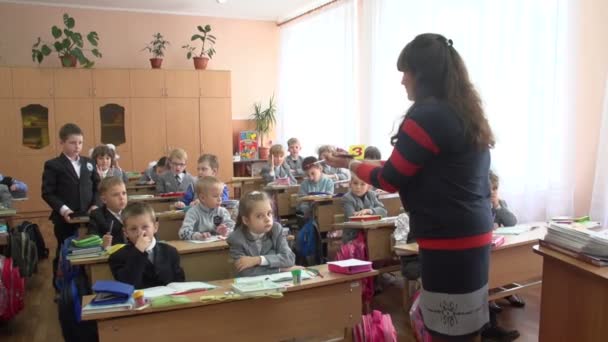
(297, 277)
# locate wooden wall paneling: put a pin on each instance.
(79, 112)
(32, 83)
(30, 169)
(148, 131)
(124, 149)
(6, 83)
(183, 128)
(7, 128)
(216, 131)
(147, 83)
(214, 83)
(73, 83)
(16, 128)
(111, 83)
(181, 83)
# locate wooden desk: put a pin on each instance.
(574, 299)
(315, 307)
(512, 263)
(200, 261)
(377, 236)
(144, 189)
(159, 203)
(243, 185)
(281, 195)
(169, 223)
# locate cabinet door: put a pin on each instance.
(149, 131)
(181, 83)
(29, 170)
(111, 83)
(6, 85)
(112, 119)
(32, 130)
(216, 132)
(80, 112)
(73, 83)
(214, 83)
(32, 83)
(182, 122)
(147, 83)
(7, 127)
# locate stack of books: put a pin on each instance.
(89, 247)
(578, 241)
(110, 296)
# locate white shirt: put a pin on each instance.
(117, 215)
(150, 250)
(76, 166)
(258, 243)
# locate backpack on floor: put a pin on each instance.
(72, 285)
(33, 231)
(12, 289)
(23, 252)
(418, 328)
(375, 327)
(356, 249)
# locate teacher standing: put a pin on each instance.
(439, 166)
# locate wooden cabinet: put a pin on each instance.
(112, 120)
(111, 83)
(181, 83)
(216, 132)
(214, 83)
(32, 129)
(7, 108)
(79, 112)
(149, 131)
(32, 83)
(182, 123)
(6, 84)
(147, 83)
(29, 169)
(73, 83)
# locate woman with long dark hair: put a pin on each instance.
(439, 166)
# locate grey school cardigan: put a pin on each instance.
(352, 203)
(201, 219)
(274, 249)
(168, 183)
(281, 171)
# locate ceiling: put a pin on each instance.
(273, 10)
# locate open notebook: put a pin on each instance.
(176, 288)
(275, 278)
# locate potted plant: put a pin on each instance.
(201, 59)
(264, 119)
(68, 44)
(157, 48)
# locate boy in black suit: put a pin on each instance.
(144, 262)
(69, 185)
(105, 221)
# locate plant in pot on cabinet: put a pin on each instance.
(201, 59)
(68, 44)
(264, 119)
(157, 48)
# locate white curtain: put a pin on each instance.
(515, 52)
(517, 55)
(599, 201)
(316, 78)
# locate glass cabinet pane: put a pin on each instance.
(112, 118)
(35, 123)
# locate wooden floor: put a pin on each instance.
(39, 322)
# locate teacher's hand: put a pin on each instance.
(337, 159)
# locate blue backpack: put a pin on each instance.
(306, 243)
(72, 284)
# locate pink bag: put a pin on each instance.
(420, 332)
(356, 249)
(375, 327)
(14, 290)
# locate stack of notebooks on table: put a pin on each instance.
(178, 288)
(266, 285)
(110, 296)
(579, 241)
(89, 247)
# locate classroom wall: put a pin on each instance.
(591, 71)
(248, 48)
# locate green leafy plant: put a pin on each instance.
(157, 46)
(264, 119)
(67, 44)
(205, 37)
